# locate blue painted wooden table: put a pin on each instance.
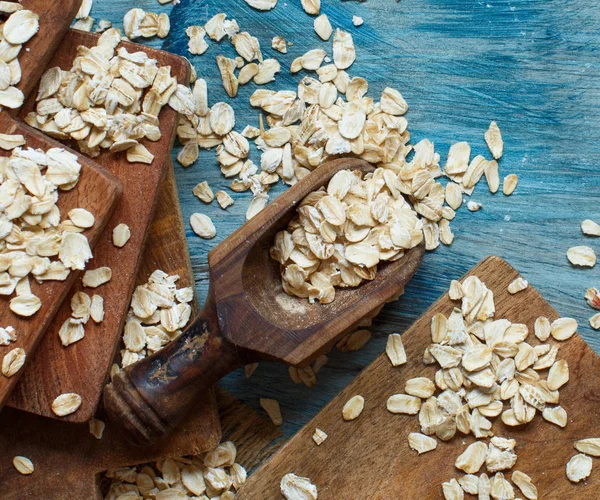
(530, 65)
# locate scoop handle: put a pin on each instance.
(149, 398)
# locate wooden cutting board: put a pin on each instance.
(370, 458)
(96, 191)
(83, 367)
(68, 459)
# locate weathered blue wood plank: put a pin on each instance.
(531, 66)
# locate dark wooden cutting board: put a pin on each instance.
(97, 191)
(68, 460)
(83, 367)
(370, 458)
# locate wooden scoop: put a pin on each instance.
(247, 317)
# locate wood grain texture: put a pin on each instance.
(459, 64)
(67, 471)
(248, 318)
(83, 367)
(97, 191)
(371, 454)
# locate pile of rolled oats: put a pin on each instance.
(31, 229)
(328, 116)
(487, 369)
(343, 231)
(110, 99)
(20, 26)
(157, 314)
(215, 474)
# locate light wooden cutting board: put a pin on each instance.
(369, 458)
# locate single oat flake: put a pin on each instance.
(421, 443)
(65, 404)
(493, 139)
(579, 468)
(121, 235)
(590, 228)
(582, 256)
(13, 361)
(589, 446)
(510, 184)
(319, 436)
(323, 27)
(23, 465)
(518, 285)
(203, 226)
(262, 4)
(294, 487)
(271, 406)
(394, 350)
(353, 408)
(592, 296)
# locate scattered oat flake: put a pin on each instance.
(403, 403)
(525, 484)
(279, 44)
(421, 443)
(471, 460)
(204, 192)
(452, 490)
(353, 408)
(474, 206)
(224, 199)
(590, 228)
(323, 27)
(203, 226)
(510, 184)
(23, 465)
(11, 141)
(121, 235)
(65, 404)
(589, 446)
(357, 20)
(271, 407)
(344, 53)
(294, 487)
(25, 305)
(97, 309)
(394, 350)
(354, 341)
(13, 361)
(20, 27)
(319, 436)
(579, 468)
(93, 278)
(518, 285)
(558, 375)
(493, 139)
(311, 7)
(96, 427)
(563, 328)
(592, 296)
(262, 4)
(557, 416)
(582, 256)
